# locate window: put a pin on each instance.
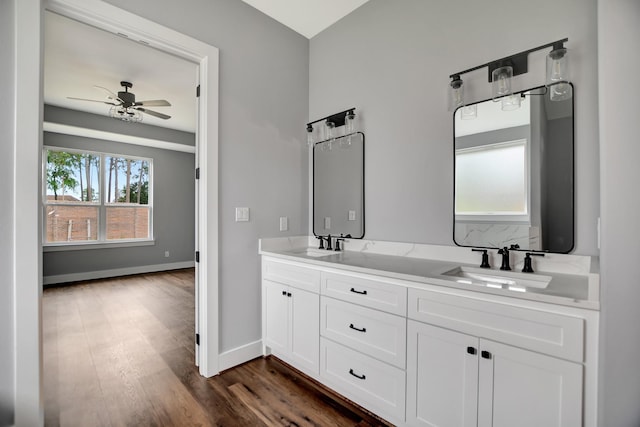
(96, 197)
(492, 180)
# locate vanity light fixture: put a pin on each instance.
(501, 72)
(329, 125)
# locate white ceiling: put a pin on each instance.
(307, 17)
(78, 56)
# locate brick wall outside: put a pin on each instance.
(80, 223)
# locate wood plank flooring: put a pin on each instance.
(120, 352)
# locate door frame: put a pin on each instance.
(28, 146)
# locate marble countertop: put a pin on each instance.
(575, 290)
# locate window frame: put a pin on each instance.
(102, 205)
(506, 217)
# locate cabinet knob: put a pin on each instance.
(289, 294)
(485, 354)
(284, 293)
(471, 350)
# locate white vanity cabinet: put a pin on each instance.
(291, 314)
(422, 354)
(462, 378)
(363, 331)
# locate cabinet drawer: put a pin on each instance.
(364, 291)
(291, 274)
(550, 333)
(378, 334)
(377, 386)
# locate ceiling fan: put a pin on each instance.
(125, 107)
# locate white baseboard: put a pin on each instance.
(116, 272)
(239, 355)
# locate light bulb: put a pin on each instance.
(330, 129)
(310, 140)
(456, 93)
(501, 78)
(558, 75)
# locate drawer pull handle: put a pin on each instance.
(471, 350)
(485, 354)
(359, 292)
(360, 377)
(357, 329)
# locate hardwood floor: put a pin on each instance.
(120, 352)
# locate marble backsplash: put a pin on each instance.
(552, 263)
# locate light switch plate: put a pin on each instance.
(327, 222)
(284, 223)
(242, 214)
(352, 215)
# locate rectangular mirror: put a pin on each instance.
(338, 186)
(514, 174)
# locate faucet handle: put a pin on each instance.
(338, 240)
(527, 262)
(485, 258)
(321, 242)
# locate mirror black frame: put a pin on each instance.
(313, 162)
(573, 170)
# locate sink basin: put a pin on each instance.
(509, 280)
(312, 252)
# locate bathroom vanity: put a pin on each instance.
(420, 336)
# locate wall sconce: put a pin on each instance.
(501, 72)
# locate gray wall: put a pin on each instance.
(619, 44)
(264, 81)
(392, 61)
(7, 113)
(173, 195)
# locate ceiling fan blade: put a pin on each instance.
(154, 103)
(91, 100)
(110, 95)
(153, 113)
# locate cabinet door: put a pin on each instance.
(305, 330)
(526, 389)
(442, 377)
(276, 317)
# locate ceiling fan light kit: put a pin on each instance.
(125, 107)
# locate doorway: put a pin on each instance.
(28, 364)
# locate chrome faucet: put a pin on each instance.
(505, 258)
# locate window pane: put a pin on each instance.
(127, 180)
(491, 180)
(67, 223)
(127, 223)
(72, 176)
